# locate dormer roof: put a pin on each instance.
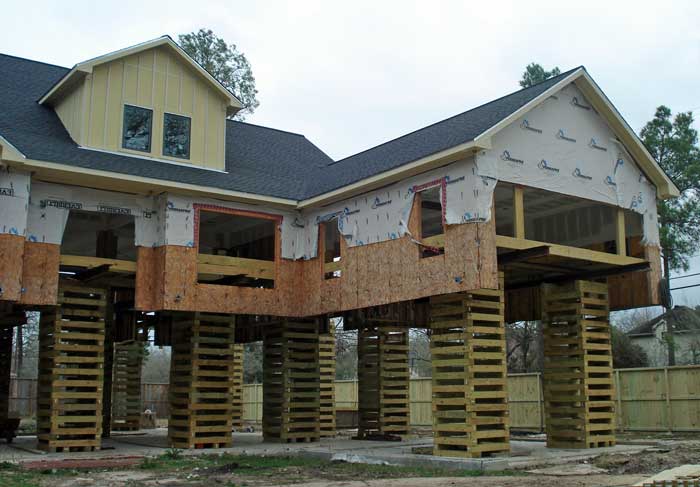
(80, 70)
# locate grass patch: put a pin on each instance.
(13, 476)
(298, 468)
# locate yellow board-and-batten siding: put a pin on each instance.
(157, 79)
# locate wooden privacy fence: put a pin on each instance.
(648, 399)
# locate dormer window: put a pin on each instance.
(138, 125)
(176, 136)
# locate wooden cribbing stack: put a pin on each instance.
(383, 381)
(291, 381)
(71, 374)
(201, 380)
(5, 367)
(326, 355)
(126, 385)
(578, 375)
(237, 404)
(468, 347)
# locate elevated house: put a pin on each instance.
(130, 203)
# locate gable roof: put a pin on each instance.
(259, 160)
(682, 318)
(81, 69)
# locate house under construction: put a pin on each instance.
(132, 206)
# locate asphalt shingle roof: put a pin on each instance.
(682, 318)
(259, 160)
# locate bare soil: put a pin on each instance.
(653, 460)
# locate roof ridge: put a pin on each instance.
(561, 75)
(33, 61)
(267, 128)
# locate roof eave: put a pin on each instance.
(145, 184)
(396, 174)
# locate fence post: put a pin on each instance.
(620, 419)
(669, 410)
(540, 401)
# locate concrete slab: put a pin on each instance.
(524, 454)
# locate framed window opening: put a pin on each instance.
(95, 240)
(236, 247)
(432, 222)
(331, 237)
(177, 131)
(137, 128)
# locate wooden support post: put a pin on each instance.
(5, 367)
(326, 357)
(126, 385)
(201, 380)
(237, 417)
(468, 348)
(108, 363)
(383, 381)
(71, 371)
(291, 381)
(620, 238)
(518, 212)
(578, 374)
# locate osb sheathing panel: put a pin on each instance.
(625, 291)
(150, 266)
(523, 305)
(371, 275)
(637, 289)
(11, 251)
(393, 271)
(40, 273)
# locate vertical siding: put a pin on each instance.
(155, 79)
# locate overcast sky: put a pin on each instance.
(350, 75)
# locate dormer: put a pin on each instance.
(150, 100)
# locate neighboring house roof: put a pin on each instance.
(259, 160)
(682, 318)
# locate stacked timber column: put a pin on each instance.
(382, 381)
(327, 375)
(201, 380)
(291, 381)
(108, 371)
(237, 404)
(71, 371)
(5, 367)
(468, 354)
(126, 385)
(578, 375)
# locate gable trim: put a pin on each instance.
(86, 67)
(665, 188)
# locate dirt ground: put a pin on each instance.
(653, 460)
(175, 469)
(229, 471)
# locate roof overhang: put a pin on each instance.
(77, 176)
(391, 176)
(665, 188)
(80, 70)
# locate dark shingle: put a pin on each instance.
(259, 160)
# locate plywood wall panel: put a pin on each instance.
(371, 275)
(11, 252)
(40, 273)
(180, 278)
(150, 267)
(637, 289)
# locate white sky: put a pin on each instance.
(350, 75)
